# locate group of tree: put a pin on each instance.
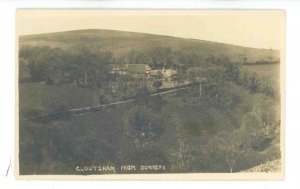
(254, 142)
(159, 57)
(144, 123)
(54, 65)
(212, 86)
(238, 74)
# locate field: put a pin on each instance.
(37, 98)
(268, 70)
(119, 41)
(271, 71)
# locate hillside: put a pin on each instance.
(120, 43)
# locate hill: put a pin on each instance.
(120, 43)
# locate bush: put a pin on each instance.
(143, 95)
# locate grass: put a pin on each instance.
(119, 41)
(271, 71)
(47, 98)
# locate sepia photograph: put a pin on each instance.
(150, 94)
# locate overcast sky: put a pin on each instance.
(259, 29)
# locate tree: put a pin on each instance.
(243, 77)
(156, 103)
(265, 86)
(232, 70)
(252, 124)
(142, 58)
(185, 60)
(55, 65)
(123, 81)
(193, 73)
(161, 57)
(36, 59)
(228, 149)
(143, 95)
(233, 152)
(90, 66)
(264, 109)
(175, 79)
(217, 90)
(253, 82)
(45, 63)
(143, 125)
(157, 84)
(103, 99)
(131, 57)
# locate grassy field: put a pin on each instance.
(269, 70)
(119, 41)
(41, 98)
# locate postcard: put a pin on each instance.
(150, 94)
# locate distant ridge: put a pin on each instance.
(121, 42)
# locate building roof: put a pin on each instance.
(116, 67)
(132, 68)
(156, 72)
(138, 68)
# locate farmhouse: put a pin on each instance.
(141, 71)
(163, 73)
(135, 70)
(167, 73)
(156, 73)
(117, 69)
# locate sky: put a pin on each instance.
(250, 28)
